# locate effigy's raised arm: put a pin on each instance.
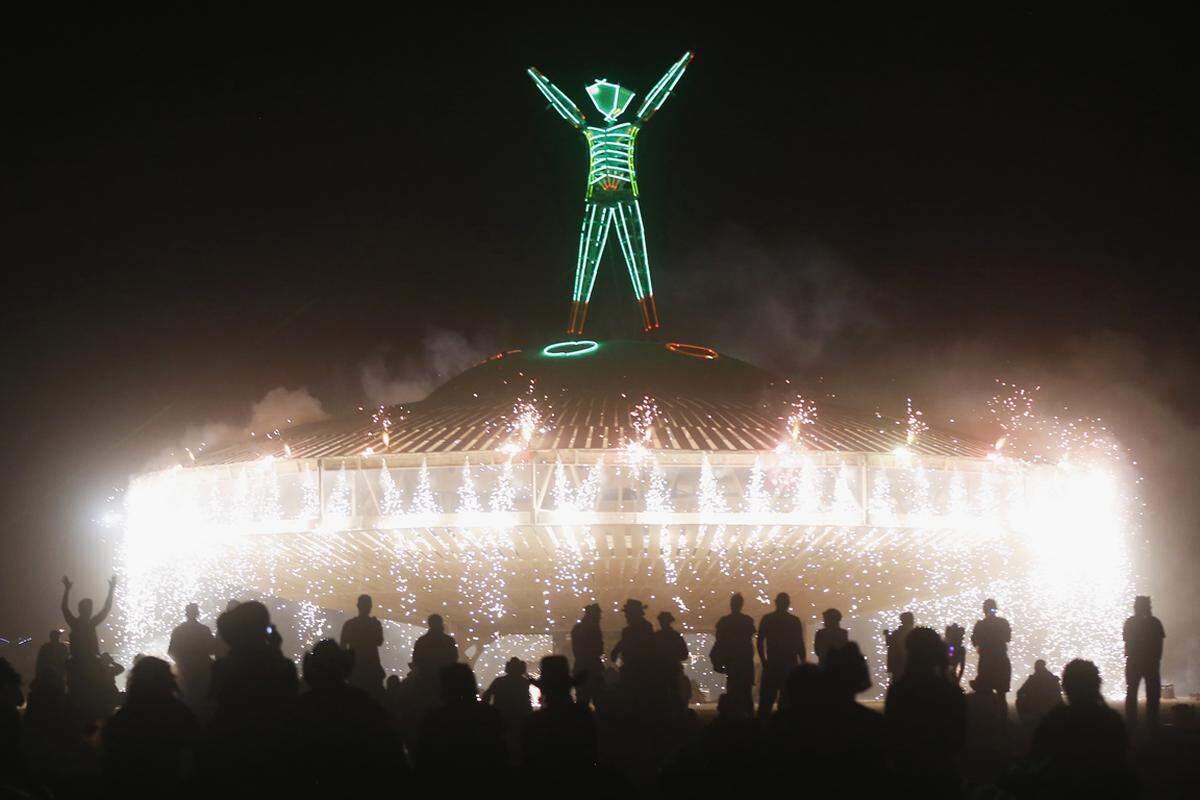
(662, 90)
(561, 103)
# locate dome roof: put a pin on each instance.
(585, 395)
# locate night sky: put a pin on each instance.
(199, 208)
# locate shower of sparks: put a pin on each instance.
(510, 545)
(797, 424)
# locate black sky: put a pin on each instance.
(202, 205)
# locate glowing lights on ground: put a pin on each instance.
(693, 350)
(568, 349)
(612, 188)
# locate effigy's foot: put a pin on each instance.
(578, 317)
(649, 314)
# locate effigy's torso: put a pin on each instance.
(611, 171)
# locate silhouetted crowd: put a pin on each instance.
(233, 716)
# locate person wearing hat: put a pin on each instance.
(587, 648)
(990, 637)
(670, 651)
(635, 650)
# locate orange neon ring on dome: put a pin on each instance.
(693, 350)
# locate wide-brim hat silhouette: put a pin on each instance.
(634, 605)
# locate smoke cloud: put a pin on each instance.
(814, 317)
(443, 355)
(279, 408)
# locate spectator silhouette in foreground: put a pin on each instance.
(780, 649)
(461, 739)
(830, 637)
(559, 739)
(587, 649)
(717, 761)
(192, 647)
(1040, 693)
(220, 646)
(252, 689)
(509, 694)
(896, 641)
(434, 650)
(1081, 747)
(990, 637)
(340, 727)
(670, 651)
(85, 676)
(52, 740)
(12, 764)
(956, 651)
(856, 733)
(926, 719)
(52, 657)
(634, 651)
(149, 743)
(1143, 635)
(363, 636)
(733, 655)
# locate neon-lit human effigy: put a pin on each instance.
(612, 189)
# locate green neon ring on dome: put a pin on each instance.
(571, 348)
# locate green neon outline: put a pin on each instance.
(588, 346)
(612, 166)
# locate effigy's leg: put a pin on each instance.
(593, 235)
(633, 246)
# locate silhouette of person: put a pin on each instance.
(560, 738)
(85, 676)
(340, 727)
(192, 647)
(221, 647)
(52, 657)
(252, 688)
(635, 650)
(1039, 693)
(830, 637)
(434, 650)
(587, 649)
(990, 637)
(733, 654)
(856, 733)
(1143, 634)
(363, 636)
(148, 741)
(1082, 746)
(509, 694)
(12, 764)
(717, 761)
(780, 649)
(956, 652)
(926, 719)
(897, 653)
(670, 651)
(462, 735)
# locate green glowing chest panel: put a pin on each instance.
(610, 160)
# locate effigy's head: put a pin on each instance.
(610, 99)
